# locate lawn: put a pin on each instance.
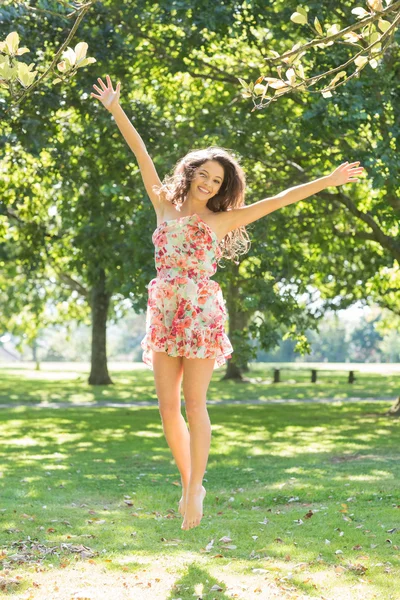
(302, 502)
(60, 382)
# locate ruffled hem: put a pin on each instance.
(186, 349)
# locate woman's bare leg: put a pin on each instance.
(197, 373)
(168, 371)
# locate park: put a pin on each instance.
(249, 348)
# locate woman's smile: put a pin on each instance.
(203, 190)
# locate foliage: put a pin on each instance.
(13, 71)
(72, 199)
(369, 39)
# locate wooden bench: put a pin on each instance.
(351, 378)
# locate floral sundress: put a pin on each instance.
(186, 312)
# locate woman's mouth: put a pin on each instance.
(203, 190)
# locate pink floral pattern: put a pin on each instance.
(186, 312)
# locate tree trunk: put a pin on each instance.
(232, 371)
(100, 300)
(237, 323)
(394, 411)
(35, 355)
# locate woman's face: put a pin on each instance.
(207, 180)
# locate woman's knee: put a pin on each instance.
(195, 407)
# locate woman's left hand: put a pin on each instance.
(345, 173)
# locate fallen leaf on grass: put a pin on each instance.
(13, 530)
(6, 582)
(302, 565)
(358, 568)
(84, 551)
(259, 571)
(339, 569)
(96, 521)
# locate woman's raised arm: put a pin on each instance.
(110, 100)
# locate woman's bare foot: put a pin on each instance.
(194, 508)
(182, 503)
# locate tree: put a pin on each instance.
(179, 72)
(373, 34)
(14, 72)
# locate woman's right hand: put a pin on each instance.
(107, 96)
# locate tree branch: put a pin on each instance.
(333, 37)
(81, 13)
(13, 215)
(72, 283)
(380, 236)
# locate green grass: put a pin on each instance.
(66, 475)
(68, 383)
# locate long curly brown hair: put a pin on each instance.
(175, 188)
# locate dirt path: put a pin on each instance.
(209, 402)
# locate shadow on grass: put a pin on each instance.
(105, 478)
(29, 386)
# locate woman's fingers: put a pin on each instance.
(102, 83)
(109, 82)
(105, 88)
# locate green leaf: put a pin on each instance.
(21, 51)
(12, 41)
(317, 26)
(299, 18)
(383, 25)
(360, 61)
(360, 12)
(301, 10)
(85, 61)
(259, 89)
(81, 50)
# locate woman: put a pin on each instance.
(201, 217)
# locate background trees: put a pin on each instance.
(74, 213)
